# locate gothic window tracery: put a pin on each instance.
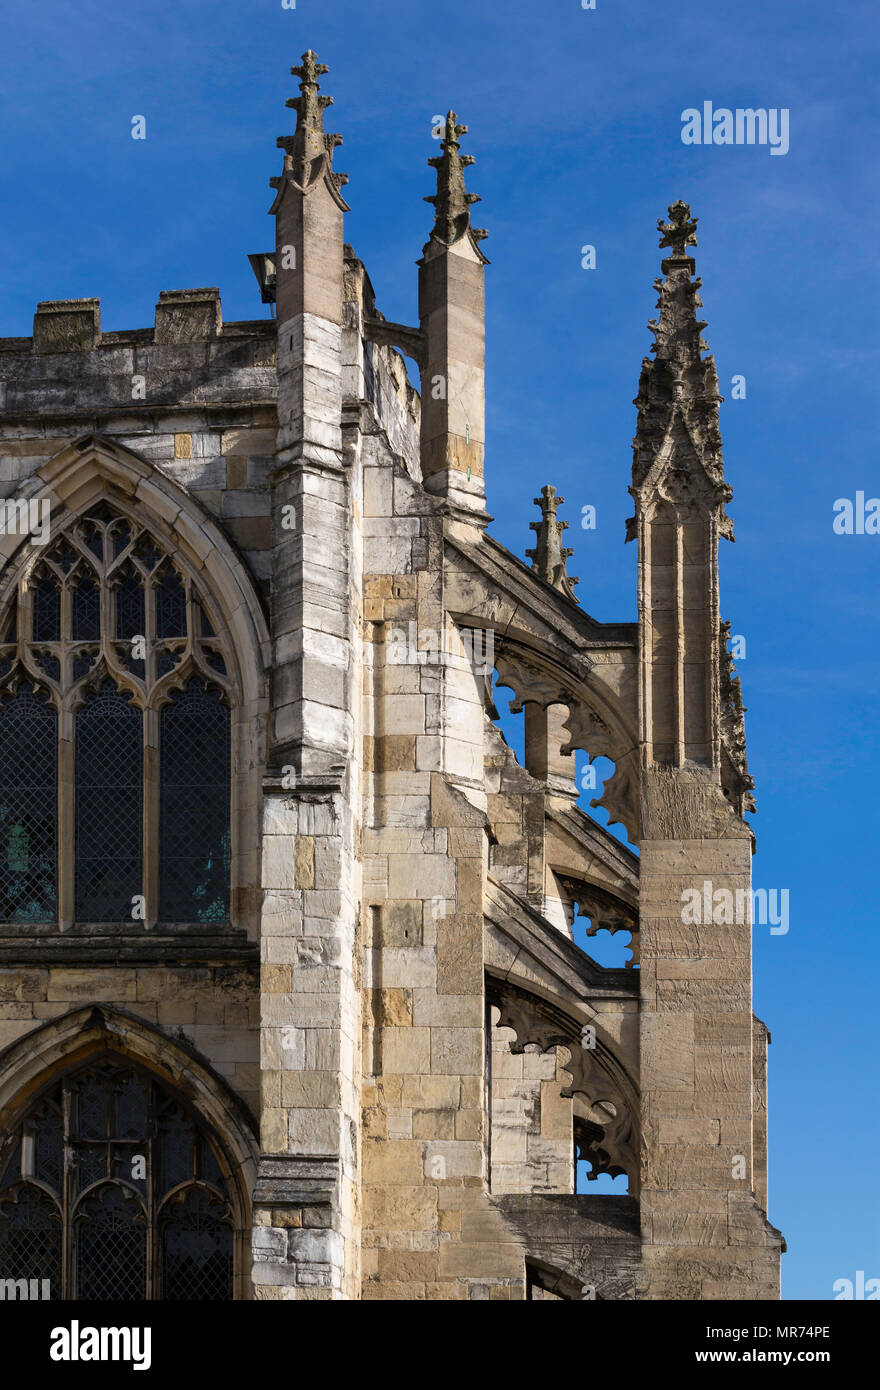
(115, 701)
(111, 1189)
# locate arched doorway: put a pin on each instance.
(113, 1187)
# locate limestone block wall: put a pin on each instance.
(213, 1008)
(199, 403)
(760, 1044)
(515, 807)
(531, 1143)
(429, 1230)
(375, 373)
(704, 1234)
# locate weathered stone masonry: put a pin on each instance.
(395, 1037)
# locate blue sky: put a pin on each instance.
(575, 120)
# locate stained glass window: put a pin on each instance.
(112, 1166)
(160, 666)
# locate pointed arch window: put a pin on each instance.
(115, 723)
(111, 1188)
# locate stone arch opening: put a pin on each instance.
(126, 1165)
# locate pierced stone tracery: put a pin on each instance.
(598, 734)
(606, 913)
(113, 679)
(105, 596)
(605, 1127)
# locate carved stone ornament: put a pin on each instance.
(602, 1092)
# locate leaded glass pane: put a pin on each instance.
(48, 1146)
(175, 1148)
(82, 664)
(147, 553)
(131, 1109)
(121, 537)
(130, 611)
(108, 808)
(86, 611)
(89, 1166)
(28, 808)
(170, 606)
(210, 1169)
(30, 1237)
(119, 1129)
(64, 556)
(93, 533)
(47, 611)
(50, 664)
(194, 807)
(111, 1246)
(9, 623)
(12, 1170)
(196, 1249)
(91, 1107)
(135, 664)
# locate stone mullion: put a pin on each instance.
(150, 634)
(66, 829)
(680, 650)
(67, 1198)
(150, 788)
(646, 621)
(713, 650)
(151, 817)
(66, 650)
(108, 617)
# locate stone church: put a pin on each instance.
(291, 1004)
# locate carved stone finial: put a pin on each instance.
(549, 555)
(678, 392)
(452, 218)
(738, 782)
(680, 231)
(309, 151)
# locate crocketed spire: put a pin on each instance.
(452, 218)
(678, 391)
(549, 555)
(735, 769)
(308, 153)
